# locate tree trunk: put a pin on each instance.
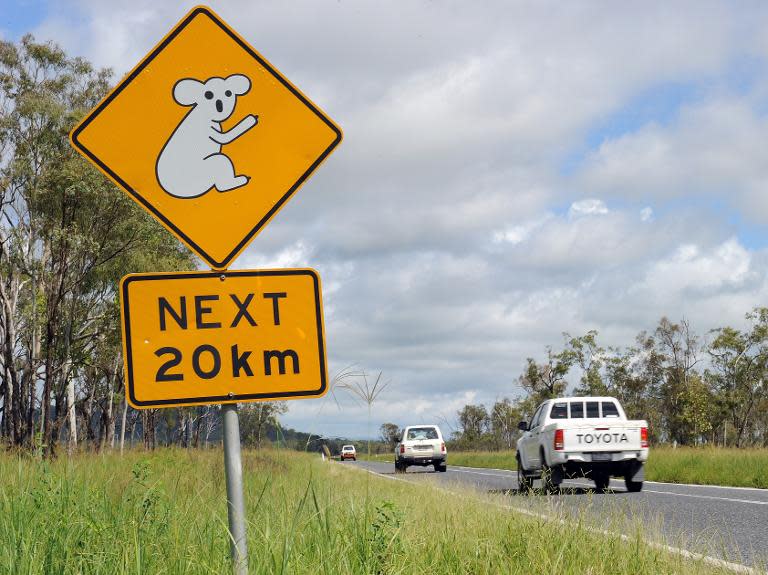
(188, 429)
(45, 416)
(134, 421)
(9, 408)
(13, 399)
(108, 414)
(150, 433)
(196, 431)
(122, 427)
(72, 416)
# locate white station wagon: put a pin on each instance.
(421, 445)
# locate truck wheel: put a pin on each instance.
(602, 482)
(551, 477)
(633, 486)
(443, 467)
(524, 483)
(549, 480)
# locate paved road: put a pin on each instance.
(727, 523)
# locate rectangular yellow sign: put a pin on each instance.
(195, 338)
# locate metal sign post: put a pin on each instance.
(233, 469)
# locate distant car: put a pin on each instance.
(421, 445)
(348, 452)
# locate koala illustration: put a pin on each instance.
(191, 162)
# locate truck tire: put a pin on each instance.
(441, 467)
(524, 483)
(399, 467)
(551, 477)
(601, 482)
(633, 486)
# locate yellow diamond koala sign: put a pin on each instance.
(193, 338)
(207, 136)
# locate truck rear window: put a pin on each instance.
(422, 433)
(559, 411)
(593, 409)
(577, 410)
(609, 409)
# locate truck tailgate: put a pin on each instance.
(606, 436)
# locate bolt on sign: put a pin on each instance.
(193, 338)
(209, 137)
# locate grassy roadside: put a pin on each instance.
(165, 513)
(700, 465)
(710, 466)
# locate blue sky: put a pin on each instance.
(597, 166)
(19, 17)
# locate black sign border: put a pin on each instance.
(179, 402)
(223, 264)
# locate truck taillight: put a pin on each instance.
(442, 448)
(643, 437)
(559, 440)
(402, 448)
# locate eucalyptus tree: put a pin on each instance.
(739, 372)
(504, 417)
(390, 434)
(66, 236)
(257, 417)
(474, 421)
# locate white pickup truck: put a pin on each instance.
(587, 437)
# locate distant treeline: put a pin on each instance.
(692, 389)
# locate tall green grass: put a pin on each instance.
(165, 513)
(700, 465)
(709, 466)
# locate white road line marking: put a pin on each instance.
(750, 501)
(646, 490)
(761, 489)
(477, 472)
(569, 484)
(714, 561)
(488, 468)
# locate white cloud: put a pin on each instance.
(690, 269)
(589, 207)
(296, 255)
(519, 233)
(714, 150)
